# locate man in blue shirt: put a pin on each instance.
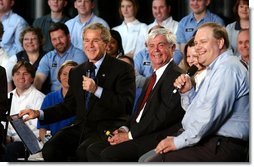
(189, 24)
(85, 17)
(215, 126)
(44, 22)
(51, 62)
(13, 26)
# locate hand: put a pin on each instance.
(118, 137)
(89, 84)
(32, 114)
(165, 145)
(183, 83)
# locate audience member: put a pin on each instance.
(57, 97)
(25, 95)
(32, 41)
(115, 47)
(190, 59)
(56, 15)
(132, 31)
(160, 112)
(200, 14)
(216, 122)
(161, 12)
(51, 62)
(111, 98)
(3, 54)
(243, 47)
(13, 25)
(85, 17)
(3, 107)
(242, 13)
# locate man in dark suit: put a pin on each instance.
(3, 106)
(160, 113)
(110, 93)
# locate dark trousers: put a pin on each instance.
(69, 144)
(14, 151)
(128, 151)
(211, 149)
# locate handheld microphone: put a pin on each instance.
(89, 68)
(191, 71)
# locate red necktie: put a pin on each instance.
(148, 91)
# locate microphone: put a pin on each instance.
(191, 71)
(89, 69)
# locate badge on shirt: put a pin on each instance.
(54, 64)
(189, 29)
(147, 63)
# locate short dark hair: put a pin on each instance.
(127, 57)
(59, 26)
(29, 67)
(235, 8)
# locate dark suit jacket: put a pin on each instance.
(117, 79)
(3, 91)
(163, 108)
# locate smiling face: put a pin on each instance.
(198, 6)
(207, 47)
(84, 7)
(57, 5)
(160, 51)
(243, 45)
(192, 58)
(22, 79)
(160, 10)
(31, 42)
(93, 45)
(60, 40)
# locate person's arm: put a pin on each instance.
(39, 79)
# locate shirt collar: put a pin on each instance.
(160, 71)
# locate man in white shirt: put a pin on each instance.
(25, 95)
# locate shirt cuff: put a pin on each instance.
(98, 92)
(41, 117)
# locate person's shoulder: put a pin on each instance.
(41, 19)
(71, 21)
(17, 18)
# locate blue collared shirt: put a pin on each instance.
(52, 61)
(13, 26)
(76, 28)
(188, 25)
(220, 106)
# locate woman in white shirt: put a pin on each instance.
(132, 31)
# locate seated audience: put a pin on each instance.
(243, 47)
(32, 42)
(52, 61)
(115, 47)
(57, 97)
(56, 15)
(199, 15)
(85, 17)
(158, 111)
(25, 95)
(13, 26)
(215, 127)
(190, 59)
(132, 31)
(242, 13)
